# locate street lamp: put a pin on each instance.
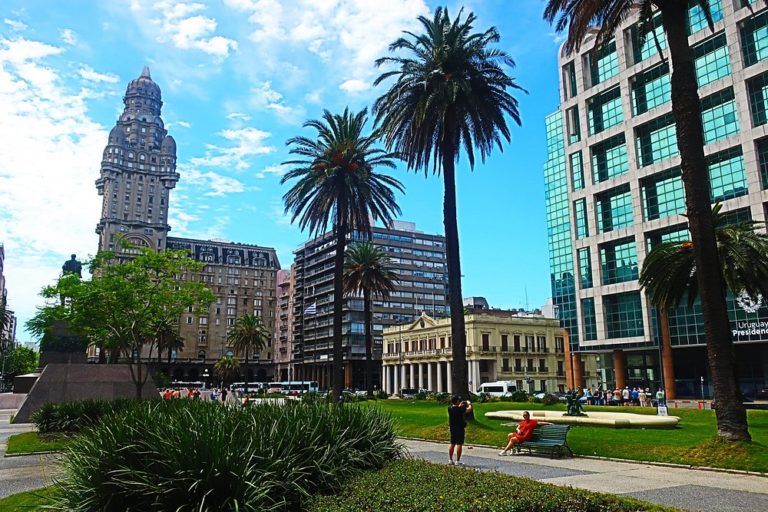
(205, 378)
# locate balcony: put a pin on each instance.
(530, 369)
(543, 369)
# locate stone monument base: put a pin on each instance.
(70, 382)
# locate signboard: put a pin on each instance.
(751, 323)
(662, 410)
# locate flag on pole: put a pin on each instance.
(312, 309)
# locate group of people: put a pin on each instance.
(636, 396)
(170, 394)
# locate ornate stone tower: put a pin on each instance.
(138, 171)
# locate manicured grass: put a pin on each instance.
(27, 501)
(416, 486)
(32, 442)
(692, 442)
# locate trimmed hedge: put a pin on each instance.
(188, 455)
(75, 416)
(418, 486)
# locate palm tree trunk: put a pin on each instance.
(458, 341)
(169, 354)
(368, 313)
(245, 370)
(338, 299)
(686, 108)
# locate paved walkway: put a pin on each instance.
(687, 489)
(26, 472)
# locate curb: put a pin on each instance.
(627, 461)
(11, 455)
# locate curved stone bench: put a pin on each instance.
(605, 419)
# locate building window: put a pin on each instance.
(663, 194)
(651, 89)
(609, 159)
(486, 341)
(727, 176)
(516, 340)
(754, 38)
(656, 140)
(580, 218)
(569, 80)
(618, 261)
(604, 110)
(585, 268)
(623, 315)
(673, 234)
(504, 342)
(603, 63)
(614, 209)
(505, 364)
(648, 48)
(712, 62)
(698, 21)
(572, 120)
(762, 157)
(757, 89)
(718, 115)
(203, 320)
(577, 171)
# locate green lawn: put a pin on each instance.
(692, 442)
(27, 501)
(32, 442)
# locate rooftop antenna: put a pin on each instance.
(526, 297)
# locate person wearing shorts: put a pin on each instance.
(457, 424)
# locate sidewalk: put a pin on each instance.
(24, 473)
(686, 489)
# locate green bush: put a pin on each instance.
(186, 456)
(74, 416)
(519, 396)
(443, 398)
(453, 489)
(421, 395)
(550, 399)
(381, 394)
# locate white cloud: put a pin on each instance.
(191, 32)
(16, 25)
(88, 73)
(264, 97)
(214, 184)
(247, 143)
(183, 124)
(273, 170)
(68, 36)
(350, 34)
(354, 85)
(50, 144)
(314, 97)
(238, 116)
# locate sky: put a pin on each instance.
(239, 78)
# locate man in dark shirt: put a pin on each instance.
(457, 423)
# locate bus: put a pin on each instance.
(298, 387)
(177, 384)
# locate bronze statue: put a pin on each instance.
(72, 266)
(573, 407)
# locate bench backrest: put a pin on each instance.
(550, 432)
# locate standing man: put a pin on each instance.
(458, 423)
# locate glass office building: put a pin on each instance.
(614, 191)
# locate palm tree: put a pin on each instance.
(367, 269)
(581, 16)
(450, 92)
(166, 337)
(6, 317)
(337, 184)
(670, 274)
(227, 368)
(248, 335)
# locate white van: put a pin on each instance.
(499, 389)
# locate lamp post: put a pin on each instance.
(205, 378)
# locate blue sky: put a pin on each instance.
(238, 78)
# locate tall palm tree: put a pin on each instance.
(248, 335)
(337, 184)
(227, 368)
(581, 16)
(450, 93)
(670, 272)
(367, 269)
(166, 336)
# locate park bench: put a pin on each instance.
(551, 438)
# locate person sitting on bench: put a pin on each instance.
(524, 432)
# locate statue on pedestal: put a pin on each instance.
(72, 266)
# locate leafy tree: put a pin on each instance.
(450, 94)
(367, 269)
(167, 336)
(227, 368)
(248, 335)
(337, 184)
(579, 17)
(125, 300)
